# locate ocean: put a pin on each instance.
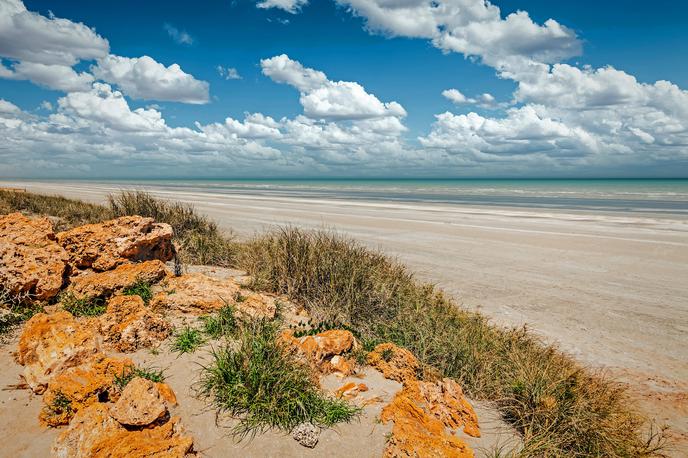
(660, 196)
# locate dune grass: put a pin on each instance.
(187, 340)
(141, 289)
(266, 387)
(560, 407)
(221, 323)
(122, 380)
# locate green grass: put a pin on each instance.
(123, 379)
(222, 323)
(141, 289)
(86, 306)
(14, 310)
(267, 387)
(187, 340)
(559, 407)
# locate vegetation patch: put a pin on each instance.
(123, 379)
(267, 387)
(141, 289)
(222, 323)
(85, 306)
(14, 310)
(187, 340)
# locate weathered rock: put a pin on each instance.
(128, 324)
(51, 343)
(106, 245)
(306, 434)
(78, 387)
(445, 401)
(140, 404)
(88, 427)
(31, 260)
(322, 345)
(165, 441)
(106, 283)
(341, 365)
(200, 294)
(417, 434)
(350, 390)
(167, 393)
(93, 433)
(394, 362)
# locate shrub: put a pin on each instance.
(267, 387)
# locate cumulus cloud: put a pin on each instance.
(290, 6)
(51, 76)
(322, 98)
(484, 100)
(228, 73)
(145, 78)
(180, 36)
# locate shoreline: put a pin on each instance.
(606, 289)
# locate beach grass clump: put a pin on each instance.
(67, 213)
(265, 386)
(559, 407)
(187, 340)
(130, 373)
(16, 309)
(198, 239)
(82, 306)
(141, 289)
(221, 323)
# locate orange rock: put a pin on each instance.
(350, 390)
(394, 362)
(417, 434)
(78, 387)
(51, 343)
(31, 261)
(106, 245)
(341, 365)
(106, 283)
(140, 404)
(199, 294)
(323, 350)
(164, 441)
(444, 399)
(128, 324)
(167, 393)
(88, 427)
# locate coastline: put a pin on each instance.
(606, 287)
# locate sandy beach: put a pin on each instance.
(610, 290)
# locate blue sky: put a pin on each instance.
(575, 98)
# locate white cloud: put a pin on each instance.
(28, 36)
(484, 100)
(290, 6)
(144, 78)
(52, 76)
(228, 73)
(180, 36)
(322, 98)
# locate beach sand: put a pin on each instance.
(611, 290)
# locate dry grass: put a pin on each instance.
(559, 407)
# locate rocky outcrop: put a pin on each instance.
(394, 362)
(140, 404)
(200, 294)
(100, 284)
(31, 260)
(52, 343)
(88, 428)
(78, 387)
(128, 324)
(106, 245)
(323, 350)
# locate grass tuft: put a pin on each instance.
(86, 306)
(222, 323)
(15, 309)
(141, 289)
(188, 340)
(129, 374)
(266, 387)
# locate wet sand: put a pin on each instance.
(611, 290)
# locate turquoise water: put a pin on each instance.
(639, 195)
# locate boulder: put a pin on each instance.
(78, 387)
(445, 401)
(394, 362)
(128, 324)
(322, 345)
(99, 284)
(52, 343)
(104, 246)
(140, 404)
(88, 427)
(31, 260)
(200, 294)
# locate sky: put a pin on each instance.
(343, 88)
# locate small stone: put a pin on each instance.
(306, 434)
(140, 404)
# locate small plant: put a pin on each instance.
(141, 289)
(221, 323)
(123, 379)
(240, 298)
(187, 340)
(387, 354)
(267, 387)
(15, 309)
(361, 356)
(61, 405)
(85, 306)
(310, 329)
